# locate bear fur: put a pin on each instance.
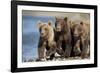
(81, 39)
(63, 36)
(46, 41)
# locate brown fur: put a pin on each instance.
(46, 40)
(80, 35)
(63, 36)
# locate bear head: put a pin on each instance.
(45, 29)
(60, 24)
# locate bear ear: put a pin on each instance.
(70, 22)
(50, 23)
(40, 24)
(81, 23)
(66, 18)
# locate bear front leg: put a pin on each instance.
(59, 48)
(41, 53)
(41, 50)
(68, 49)
(52, 50)
(76, 48)
(84, 49)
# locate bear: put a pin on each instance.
(46, 41)
(81, 39)
(76, 50)
(63, 36)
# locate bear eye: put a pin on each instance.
(46, 29)
(62, 24)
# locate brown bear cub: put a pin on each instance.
(63, 36)
(46, 41)
(81, 38)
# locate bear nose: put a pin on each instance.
(41, 33)
(76, 35)
(58, 27)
